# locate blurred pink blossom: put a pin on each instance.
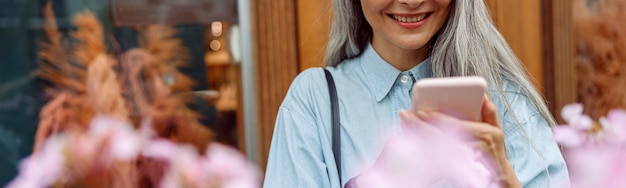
(573, 115)
(233, 169)
(412, 161)
(109, 140)
(614, 127)
(44, 168)
(579, 126)
(596, 158)
(221, 166)
(184, 169)
(124, 142)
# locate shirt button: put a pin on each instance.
(404, 79)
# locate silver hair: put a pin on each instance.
(468, 44)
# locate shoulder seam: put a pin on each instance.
(301, 117)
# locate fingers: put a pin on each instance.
(408, 119)
(440, 120)
(411, 121)
(491, 134)
(489, 112)
(486, 137)
(483, 146)
(435, 117)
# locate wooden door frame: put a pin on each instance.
(560, 78)
(275, 62)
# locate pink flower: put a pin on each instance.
(402, 163)
(44, 168)
(597, 166)
(183, 160)
(230, 167)
(577, 131)
(124, 141)
(614, 127)
(411, 161)
(594, 159)
(568, 136)
(573, 115)
(160, 149)
(125, 144)
(617, 169)
(220, 167)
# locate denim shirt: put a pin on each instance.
(371, 94)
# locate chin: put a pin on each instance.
(413, 45)
(408, 43)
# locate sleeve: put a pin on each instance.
(534, 155)
(296, 157)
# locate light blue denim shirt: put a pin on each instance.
(371, 94)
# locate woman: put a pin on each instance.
(377, 50)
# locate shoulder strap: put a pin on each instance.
(334, 105)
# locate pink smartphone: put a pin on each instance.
(459, 97)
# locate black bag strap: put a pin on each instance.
(334, 105)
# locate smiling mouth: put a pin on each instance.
(410, 19)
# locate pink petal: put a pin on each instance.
(617, 116)
(617, 171)
(125, 143)
(230, 166)
(617, 125)
(101, 125)
(49, 158)
(583, 122)
(410, 161)
(571, 112)
(567, 136)
(160, 149)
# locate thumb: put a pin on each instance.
(489, 112)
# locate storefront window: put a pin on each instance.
(209, 36)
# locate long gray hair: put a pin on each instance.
(469, 44)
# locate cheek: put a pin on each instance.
(444, 10)
(445, 3)
(371, 10)
(445, 6)
(373, 6)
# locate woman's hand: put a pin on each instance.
(486, 135)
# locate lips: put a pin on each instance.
(410, 18)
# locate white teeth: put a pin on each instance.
(420, 18)
(412, 19)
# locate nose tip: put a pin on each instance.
(411, 3)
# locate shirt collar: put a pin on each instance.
(381, 76)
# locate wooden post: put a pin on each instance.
(559, 67)
(276, 62)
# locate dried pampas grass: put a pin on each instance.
(601, 54)
(163, 92)
(89, 36)
(104, 89)
(169, 52)
(67, 110)
(70, 72)
(55, 67)
(144, 86)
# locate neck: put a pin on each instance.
(402, 59)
